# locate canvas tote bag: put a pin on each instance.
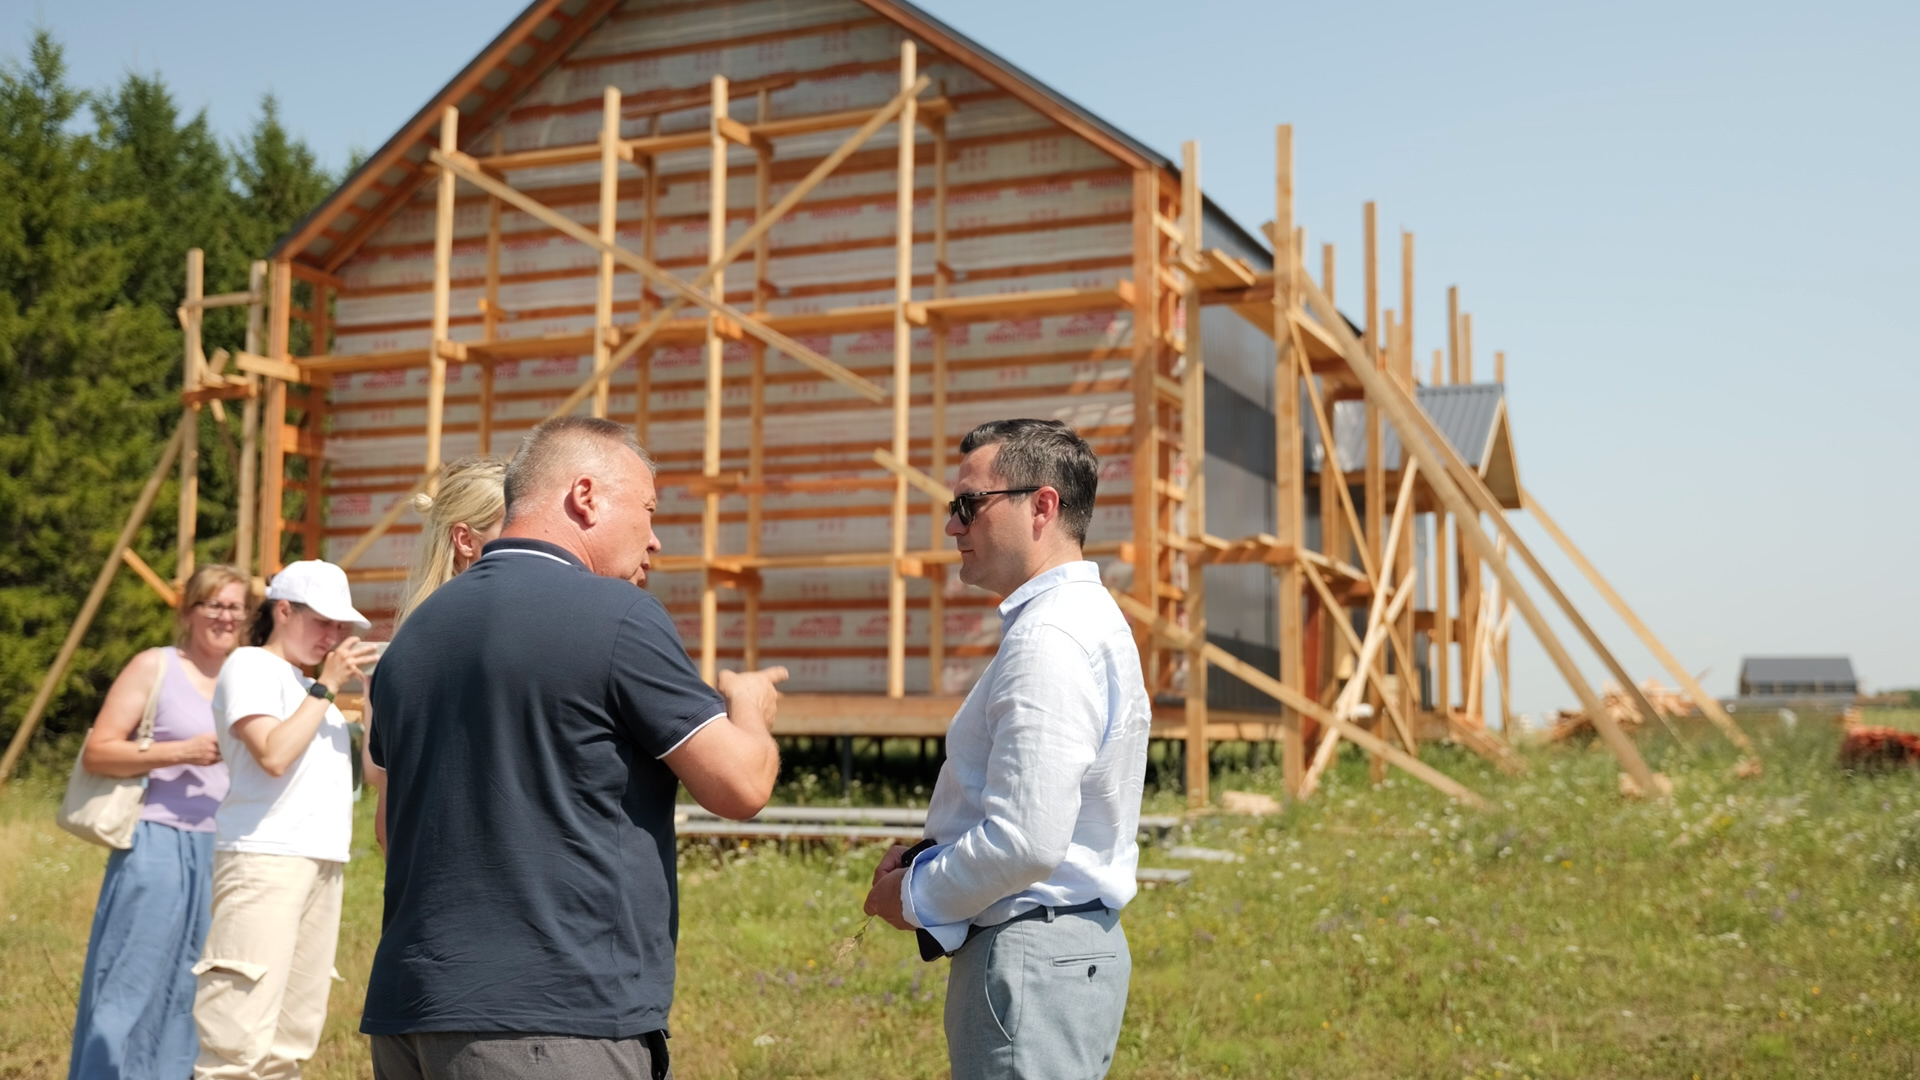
(104, 809)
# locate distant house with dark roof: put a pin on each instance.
(1811, 679)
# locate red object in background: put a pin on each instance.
(1879, 747)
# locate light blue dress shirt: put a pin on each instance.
(1038, 803)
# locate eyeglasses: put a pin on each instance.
(222, 611)
(966, 504)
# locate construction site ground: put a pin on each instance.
(1758, 927)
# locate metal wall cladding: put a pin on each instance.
(1239, 355)
(1030, 207)
(1239, 432)
(1241, 598)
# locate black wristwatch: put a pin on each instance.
(319, 689)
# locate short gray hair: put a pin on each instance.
(564, 442)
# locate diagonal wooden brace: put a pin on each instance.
(748, 239)
(940, 492)
(1274, 688)
(469, 170)
(1394, 402)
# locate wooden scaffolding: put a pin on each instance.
(1354, 640)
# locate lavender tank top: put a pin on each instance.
(183, 796)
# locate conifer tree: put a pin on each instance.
(83, 379)
(94, 229)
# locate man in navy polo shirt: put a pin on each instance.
(535, 714)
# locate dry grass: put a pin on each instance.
(1747, 928)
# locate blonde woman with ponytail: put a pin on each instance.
(465, 513)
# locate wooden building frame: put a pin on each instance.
(1352, 636)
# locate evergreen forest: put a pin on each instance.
(102, 191)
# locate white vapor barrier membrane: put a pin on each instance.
(1030, 208)
(530, 247)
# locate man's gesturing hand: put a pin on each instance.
(750, 695)
(884, 899)
(729, 766)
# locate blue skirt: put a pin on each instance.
(136, 996)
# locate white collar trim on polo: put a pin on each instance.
(527, 551)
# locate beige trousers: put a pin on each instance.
(268, 965)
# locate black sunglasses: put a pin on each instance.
(967, 504)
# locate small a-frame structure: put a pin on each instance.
(803, 246)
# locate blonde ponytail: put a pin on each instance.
(472, 492)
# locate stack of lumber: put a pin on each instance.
(1867, 748)
(1667, 701)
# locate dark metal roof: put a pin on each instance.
(1796, 669)
(1468, 415)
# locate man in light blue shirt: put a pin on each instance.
(1030, 851)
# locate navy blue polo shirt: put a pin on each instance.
(521, 713)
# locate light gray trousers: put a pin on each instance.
(1039, 999)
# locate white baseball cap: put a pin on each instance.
(319, 585)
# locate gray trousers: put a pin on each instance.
(1038, 999)
(493, 1055)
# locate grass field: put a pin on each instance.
(1759, 928)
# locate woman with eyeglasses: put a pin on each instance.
(136, 995)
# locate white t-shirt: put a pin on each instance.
(306, 811)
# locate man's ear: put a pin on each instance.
(583, 500)
(1046, 508)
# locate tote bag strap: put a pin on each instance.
(153, 704)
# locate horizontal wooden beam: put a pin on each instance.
(221, 391)
(220, 300)
(547, 157)
(679, 564)
(276, 369)
(993, 307)
(1263, 548)
(1027, 305)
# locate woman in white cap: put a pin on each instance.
(281, 837)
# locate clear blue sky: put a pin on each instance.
(1689, 225)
